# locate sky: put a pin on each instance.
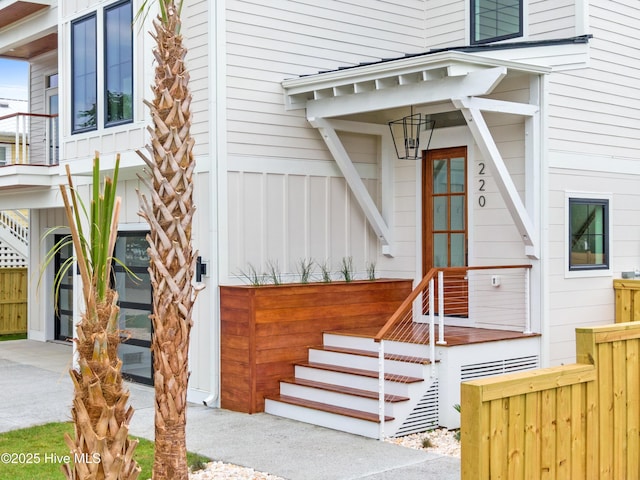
(14, 79)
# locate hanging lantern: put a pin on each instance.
(407, 134)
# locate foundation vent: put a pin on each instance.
(499, 367)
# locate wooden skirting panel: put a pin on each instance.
(13, 300)
(265, 330)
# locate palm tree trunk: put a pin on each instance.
(172, 260)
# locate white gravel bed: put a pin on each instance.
(226, 471)
(442, 441)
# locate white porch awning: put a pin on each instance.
(452, 79)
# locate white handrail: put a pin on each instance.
(381, 397)
(441, 340)
(432, 319)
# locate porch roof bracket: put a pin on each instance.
(353, 179)
(506, 187)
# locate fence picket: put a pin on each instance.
(13, 300)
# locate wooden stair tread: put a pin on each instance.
(347, 412)
(346, 390)
(360, 372)
(369, 353)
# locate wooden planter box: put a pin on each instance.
(265, 330)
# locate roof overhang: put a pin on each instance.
(28, 29)
(368, 87)
(29, 176)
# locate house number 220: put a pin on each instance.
(482, 201)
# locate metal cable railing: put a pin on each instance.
(488, 296)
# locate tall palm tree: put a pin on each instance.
(101, 447)
(169, 212)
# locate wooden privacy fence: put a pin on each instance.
(13, 300)
(579, 421)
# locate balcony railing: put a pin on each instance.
(29, 139)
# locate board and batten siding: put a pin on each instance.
(302, 210)
(588, 301)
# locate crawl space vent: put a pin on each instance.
(499, 367)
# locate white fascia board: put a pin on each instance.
(357, 186)
(451, 60)
(475, 83)
(508, 191)
(548, 57)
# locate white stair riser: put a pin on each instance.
(323, 419)
(334, 398)
(348, 380)
(365, 363)
(368, 344)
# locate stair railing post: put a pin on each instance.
(432, 319)
(527, 300)
(441, 340)
(381, 414)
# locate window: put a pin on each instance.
(83, 74)
(4, 154)
(588, 234)
(118, 67)
(102, 92)
(132, 281)
(493, 20)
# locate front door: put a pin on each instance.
(444, 221)
(64, 269)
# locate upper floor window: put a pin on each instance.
(84, 78)
(588, 234)
(118, 61)
(102, 92)
(493, 20)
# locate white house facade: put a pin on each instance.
(533, 160)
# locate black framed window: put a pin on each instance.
(588, 234)
(83, 74)
(493, 20)
(118, 63)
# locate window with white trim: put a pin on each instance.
(493, 20)
(4, 154)
(589, 234)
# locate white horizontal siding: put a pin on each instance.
(580, 302)
(596, 110)
(445, 23)
(551, 19)
(270, 42)
(195, 21)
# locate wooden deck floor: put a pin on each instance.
(419, 333)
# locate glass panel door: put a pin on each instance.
(134, 296)
(64, 267)
(53, 134)
(444, 226)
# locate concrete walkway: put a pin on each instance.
(35, 388)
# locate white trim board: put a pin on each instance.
(288, 166)
(594, 163)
